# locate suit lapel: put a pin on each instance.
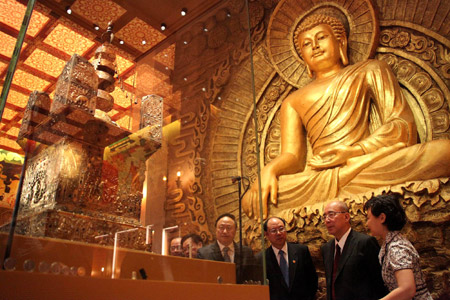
(293, 263)
(329, 256)
(216, 252)
(276, 267)
(348, 249)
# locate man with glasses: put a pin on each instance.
(175, 247)
(290, 270)
(225, 249)
(352, 269)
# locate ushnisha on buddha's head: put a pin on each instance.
(321, 42)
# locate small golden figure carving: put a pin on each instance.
(334, 113)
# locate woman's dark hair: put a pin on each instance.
(388, 204)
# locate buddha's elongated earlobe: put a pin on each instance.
(343, 51)
(310, 73)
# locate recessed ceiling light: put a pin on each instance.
(121, 42)
(96, 27)
(68, 10)
(205, 29)
(144, 42)
(163, 26)
(184, 12)
(185, 78)
(185, 42)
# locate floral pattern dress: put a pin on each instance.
(397, 253)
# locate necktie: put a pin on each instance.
(226, 257)
(335, 266)
(284, 267)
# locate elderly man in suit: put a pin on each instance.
(290, 270)
(225, 249)
(351, 262)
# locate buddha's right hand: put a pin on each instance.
(250, 202)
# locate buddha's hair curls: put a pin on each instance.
(318, 19)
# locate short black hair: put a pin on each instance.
(267, 221)
(388, 204)
(195, 238)
(226, 215)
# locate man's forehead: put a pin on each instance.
(332, 206)
(274, 222)
(225, 220)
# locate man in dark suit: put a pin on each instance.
(351, 262)
(290, 270)
(225, 249)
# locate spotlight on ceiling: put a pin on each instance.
(121, 42)
(144, 42)
(96, 27)
(163, 26)
(68, 10)
(184, 12)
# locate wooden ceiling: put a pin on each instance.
(54, 35)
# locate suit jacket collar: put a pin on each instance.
(348, 249)
(218, 254)
(292, 264)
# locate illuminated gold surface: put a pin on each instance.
(67, 40)
(137, 30)
(45, 62)
(12, 12)
(7, 44)
(17, 99)
(13, 131)
(8, 114)
(123, 64)
(167, 57)
(30, 82)
(121, 98)
(3, 67)
(124, 122)
(9, 143)
(358, 124)
(99, 12)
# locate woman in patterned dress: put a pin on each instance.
(399, 259)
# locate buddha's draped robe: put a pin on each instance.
(343, 116)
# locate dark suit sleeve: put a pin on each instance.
(311, 274)
(373, 267)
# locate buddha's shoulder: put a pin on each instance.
(369, 64)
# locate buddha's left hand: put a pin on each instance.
(334, 156)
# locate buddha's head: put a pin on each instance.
(321, 41)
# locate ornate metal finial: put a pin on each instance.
(108, 36)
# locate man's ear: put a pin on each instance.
(343, 50)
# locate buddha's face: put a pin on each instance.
(320, 48)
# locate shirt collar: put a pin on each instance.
(230, 246)
(276, 250)
(343, 239)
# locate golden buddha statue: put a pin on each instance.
(334, 113)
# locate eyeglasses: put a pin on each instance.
(332, 214)
(276, 230)
(223, 228)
